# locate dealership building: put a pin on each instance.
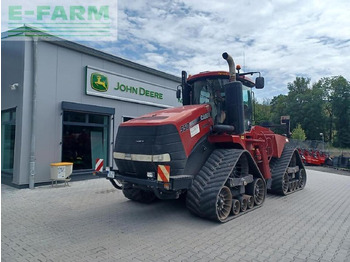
(63, 102)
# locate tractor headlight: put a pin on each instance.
(142, 158)
(161, 158)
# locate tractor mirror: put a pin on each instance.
(259, 82)
(178, 93)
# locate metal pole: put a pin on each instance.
(32, 160)
(321, 134)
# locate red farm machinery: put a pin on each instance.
(207, 151)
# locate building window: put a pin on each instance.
(8, 130)
(85, 138)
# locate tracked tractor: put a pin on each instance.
(207, 151)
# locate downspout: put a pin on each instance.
(32, 160)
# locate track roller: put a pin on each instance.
(291, 186)
(236, 207)
(250, 201)
(296, 182)
(244, 203)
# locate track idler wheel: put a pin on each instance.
(302, 178)
(285, 183)
(223, 203)
(236, 207)
(257, 189)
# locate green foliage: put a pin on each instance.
(278, 109)
(341, 109)
(262, 112)
(322, 107)
(336, 103)
(298, 133)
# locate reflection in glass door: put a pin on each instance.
(8, 130)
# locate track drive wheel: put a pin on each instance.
(138, 195)
(223, 203)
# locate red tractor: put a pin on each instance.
(207, 150)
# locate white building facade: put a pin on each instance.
(63, 102)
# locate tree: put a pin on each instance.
(262, 112)
(314, 118)
(299, 85)
(341, 110)
(323, 107)
(325, 85)
(298, 133)
(297, 98)
(336, 106)
(305, 106)
(278, 109)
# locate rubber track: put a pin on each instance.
(201, 197)
(278, 168)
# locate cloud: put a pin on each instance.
(281, 38)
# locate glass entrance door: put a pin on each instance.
(85, 138)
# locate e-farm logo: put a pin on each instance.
(54, 13)
(66, 20)
(99, 82)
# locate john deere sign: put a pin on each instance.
(138, 91)
(116, 86)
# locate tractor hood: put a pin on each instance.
(166, 137)
(176, 116)
(191, 122)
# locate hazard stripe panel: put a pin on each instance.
(163, 173)
(99, 165)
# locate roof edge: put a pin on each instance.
(47, 37)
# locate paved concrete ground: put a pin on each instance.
(91, 221)
(328, 169)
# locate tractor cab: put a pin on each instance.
(209, 88)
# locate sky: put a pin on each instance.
(282, 39)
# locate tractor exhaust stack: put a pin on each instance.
(231, 65)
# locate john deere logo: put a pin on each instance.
(99, 82)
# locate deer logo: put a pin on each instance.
(99, 82)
